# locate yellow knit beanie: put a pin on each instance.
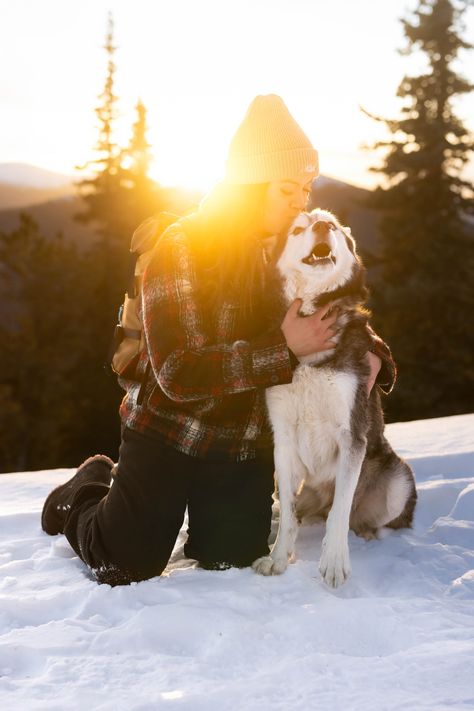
(269, 145)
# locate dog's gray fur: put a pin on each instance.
(332, 458)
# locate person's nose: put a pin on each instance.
(299, 201)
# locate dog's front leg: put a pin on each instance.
(334, 564)
(290, 473)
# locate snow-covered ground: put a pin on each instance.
(398, 635)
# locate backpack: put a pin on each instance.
(128, 340)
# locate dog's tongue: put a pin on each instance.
(320, 254)
(322, 250)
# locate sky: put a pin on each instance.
(197, 65)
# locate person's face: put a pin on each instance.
(285, 199)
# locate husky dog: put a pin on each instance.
(331, 457)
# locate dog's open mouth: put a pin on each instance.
(320, 254)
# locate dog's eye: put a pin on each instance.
(298, 230)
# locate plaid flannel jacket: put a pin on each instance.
(206, 392)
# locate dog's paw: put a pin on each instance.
(269, 566)
(335, 565)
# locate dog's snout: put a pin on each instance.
(322, 227)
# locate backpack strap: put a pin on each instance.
(132, 287)
(146, 375)
(126, 339)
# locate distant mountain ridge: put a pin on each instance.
(23, 185)
(32, 176)
(53, 216)
(52, 200)
(19, 196)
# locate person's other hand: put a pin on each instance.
(306, 335)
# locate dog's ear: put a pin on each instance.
(349, 239)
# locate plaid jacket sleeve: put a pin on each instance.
(187, 364)
(387, 375)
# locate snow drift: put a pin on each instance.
(397, 635)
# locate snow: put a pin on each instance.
(398, 635)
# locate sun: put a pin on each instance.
(188, 151)
(192, 172)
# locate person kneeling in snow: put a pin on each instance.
(195, 433)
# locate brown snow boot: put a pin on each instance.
(95, 470)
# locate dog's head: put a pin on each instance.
(319, 257)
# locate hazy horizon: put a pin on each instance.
(80, 175)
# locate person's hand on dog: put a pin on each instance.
(306, 335)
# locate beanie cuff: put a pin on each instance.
(267, 167)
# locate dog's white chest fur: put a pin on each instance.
(322, 419)
(314, 410)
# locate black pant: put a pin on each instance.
(127, 533)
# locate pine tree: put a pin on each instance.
(106, 196)
(144, 196)
(54, 397)
(102, 192)
(423, 301)
(138, 152)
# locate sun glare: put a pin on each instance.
(179, 163)
(196, 67)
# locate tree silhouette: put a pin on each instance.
(423, 302)
(144, 196)
(48, 382)
(102, 191)
(138, 151)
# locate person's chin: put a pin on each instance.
(285, 226)
(279, 227)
